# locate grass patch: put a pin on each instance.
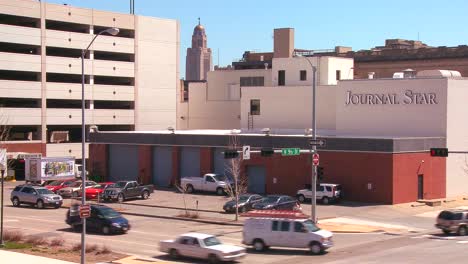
(16, 245)
(187, 214)
(13, 236)
(36, 240)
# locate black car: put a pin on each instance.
(245, 203)
(277, 202)
(102, 219)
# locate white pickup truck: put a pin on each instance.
(210, 182)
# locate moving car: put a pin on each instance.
(325, 192)
(201, 246)
(245, 203)
(35, 195)
(284, 229)
(102, 219)
(277, 202)
(59, 184)
(124, 190)
(74, 189)
(210, 182)
(94, 191)
(453, 221)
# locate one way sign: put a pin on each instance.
(245, 152)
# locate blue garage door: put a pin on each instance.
(189, 162)
(256, 179)
(123, 163)
(220, 162)
(162, 166)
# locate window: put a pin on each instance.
(17, 188)
(210, 179)
(338, 75)
(255, 107)
(274, 226)
(285, 226)
(27, 190)
(320, 188)
(457, 216)
(252, 81)
(303, 75)
(282, 78)
(298, 227)
(329, 189)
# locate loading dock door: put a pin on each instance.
(220, 162)
(189, 162)
(162, 166)
(256, 179)
(123, 163)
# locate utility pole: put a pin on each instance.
(314, 148)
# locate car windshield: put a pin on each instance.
(243, 198)
(446, 215)
(311, 227)
(75, 184)
(55, 183)
(44, 191)
(99, 186)
(219, 177)
(211, 241)
(108, 212)
(270, 199)
(120, 184)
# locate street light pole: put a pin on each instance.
(2, 244)
(113, 32)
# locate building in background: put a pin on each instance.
(131, 79)
(198, 61)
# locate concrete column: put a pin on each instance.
(43, 131)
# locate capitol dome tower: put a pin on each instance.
(198, 61)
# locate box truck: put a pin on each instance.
(41, 169)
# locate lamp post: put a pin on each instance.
(314, 147)
(113, 32)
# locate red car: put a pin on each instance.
(94, 191)
(57, 185)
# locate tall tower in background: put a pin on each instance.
(198, 61)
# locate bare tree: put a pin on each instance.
(233, 169)
(183, 190)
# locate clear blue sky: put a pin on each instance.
(234, 26)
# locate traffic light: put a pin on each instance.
(439, 152)
(267, 152)
(231, 154)
(320, 173)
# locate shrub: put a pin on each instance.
(76, 247)
(36, 240)
(91, 248)
(57, 242)
(104, 250)
(12, 236)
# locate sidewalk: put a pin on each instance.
(10, 257)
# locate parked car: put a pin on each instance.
(123, 190)
(97, 190)
(35, 195)
(102, 219)
(325, 192)
(244, 204)
(201, 246)
(279, 230)
(210, 182)
(74, 189)
(453, 221)
(277, 202)
(59, 184)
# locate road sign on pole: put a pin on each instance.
(246, 152)
(290, 151)
(317, 142)
(3, 159)
(85, 211)
(315, 159)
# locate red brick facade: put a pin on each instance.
(25, 147)
(145, 161)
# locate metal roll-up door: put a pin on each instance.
(189, 162)
(220, 162)
(123, 163)
(162, 166)
(256, 179)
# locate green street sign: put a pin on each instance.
(290, 151)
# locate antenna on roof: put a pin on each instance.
(198, 20)
(132, 7)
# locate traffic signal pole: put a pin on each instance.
(314, 149)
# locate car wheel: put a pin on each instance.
(325, 200)
(219, 191)
(145, 195)
(174, 254)
(120, 198)
(16, 202)
(105, 230)
(462, 231)
(446, 231)
(40, 204)
(190, 189)
(258, 245)
(315, 248)
(301, 198)
(57, 206)
(213, 259)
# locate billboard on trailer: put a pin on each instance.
(43, 169)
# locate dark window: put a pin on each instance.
(252, 81)
(17, 188)
(457, 216)
(27, 190)
(320, 188)
(303, 75)
(329, 189)
(255, 107)
(298, 227)
(282, 78)
(285, 226)
(209, 179)
(466, 216)
(274, 226)
(338, 75)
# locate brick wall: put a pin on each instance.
(145, 164)
(98, 162)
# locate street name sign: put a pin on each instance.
(290, 151)
(317, 142)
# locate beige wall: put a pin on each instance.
(156, 73)
(66, 150)
(27, 8)
(283, 45)
(20, 62)
(20, 89)
(20, 35)
(392, 120)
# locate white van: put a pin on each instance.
(265, 232)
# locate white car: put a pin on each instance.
(74, 190)
(210, 182)
(325, 193)
(201, 246)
